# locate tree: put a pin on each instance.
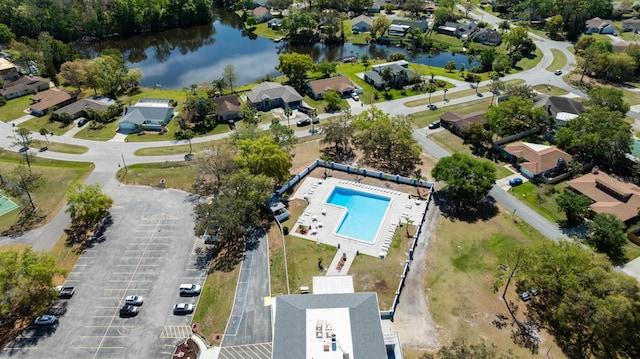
(23, 139)
(44, 132)
(517, 40)
(295, 67)
(28, 182)
(606, 235)
(524, 91)
(6, 36)
(387, 143)
(26, 282)
(229, 76)
(187, 134)
(338, 132)
(413, 6)
(430, 88)
(73, 72)
(487, 57)
(264, 156)
(326, 68)
(441, 15)
(496, 86)
(111, 74)
(574, 205)
(219, 84)
(504, 26)
(586, 305)
(554, 26)
(359, 6)
(380, 26)
(280, 4)
(197, 109)
(598, 136)
(251, 23)
(215, 165)
(469, 180)
(284, 136)
(478, 137)
(333, 100)
(87, 205)
(608, 97)
(450, 66)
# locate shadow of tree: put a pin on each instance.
(480, 211)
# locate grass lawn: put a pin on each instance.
(263, 30)
(60, 147)
(215, 304)
(358, 39)
(37, 123)
(14, 108)
(527, 63)
(180, 175)
(99, 133)
(541, 198)
(423, 118)
(49, 195)
(458, 94)
(173, 150)
(559, 60)
(462, 270)
(550, 90)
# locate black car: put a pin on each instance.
(434, 125)
(128, 310)
(303, 122)
(432, 107)
(83, 121)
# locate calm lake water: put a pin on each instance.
(181, 57)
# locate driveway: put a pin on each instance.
(147, 250)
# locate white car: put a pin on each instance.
(189, 289)
(355, 96)
(134, 300)
(182, 309)
(558, 72)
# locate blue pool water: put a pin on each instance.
(365, 212)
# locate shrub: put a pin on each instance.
(285, 230)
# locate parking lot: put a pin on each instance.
(148, 250)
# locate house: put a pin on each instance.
(631, 24)
(8, 71)
(465, 32)
(261, 14)
(269, 95)
(399, 70)
(361, 23)
(45, 100)
(458, 124)
(449, 28)
(24, 85)
(398, 30)
(148, 114)
(339, 84)
(561, 109)
(274, 24)
(333, 322)
(429, 7)
(540, 161)
(609, 195)
(80, 108)
(421, 26)
(599, 26)
(227, 108)
(487, 37)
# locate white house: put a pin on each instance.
(148, 114)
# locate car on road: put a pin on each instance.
(45, 320)
(182, 309)
(515, 181)
(316, 120)
(189, 289)
(558, 72)
(134, 300)
(128, 310)
(434, 125)
(303, 122)
(23, 149)
(355, 96)
(432, 107)
(188, 156)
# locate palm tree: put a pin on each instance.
(444, 94)
(288, 112)
(188, 135)
(387, 75)
(496, 85)
(504, 25)
(430, 88)
(44, 132)
(219, 84)
(313, 114)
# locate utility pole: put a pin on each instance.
(124, 163)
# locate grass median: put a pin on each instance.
(60, 147)
(559, 60)
(179, 175)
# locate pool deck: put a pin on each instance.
(324, 218)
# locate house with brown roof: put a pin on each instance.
(339, 84)
(547, 163)
(261, 14)
(609, 195)
(458, 124)
(45, 100)
(95, 103)
(228, 108)
(24, 85)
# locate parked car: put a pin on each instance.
(525, 296)
(558, 72)
(303, 122)
(355, 96)
(188, 156)
(66, 292)
(45, 320)
(304, 109)
(134, 300)
(189, 289)
(316, 120)
(128, 310)
(83, 121)
(182, 309)
(434, 125)
(432, 107)
(515, 181)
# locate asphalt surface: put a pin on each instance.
(149, 249)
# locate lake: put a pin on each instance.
(181, 57)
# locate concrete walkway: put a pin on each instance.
(333, 267)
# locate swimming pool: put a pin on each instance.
(364, 213)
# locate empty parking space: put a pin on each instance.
(148, 251)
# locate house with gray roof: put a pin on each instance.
(362, 23)
(400, 74)
(82, 107)
(599, 26)
(336, 325)
(148, 114)
(269, 95)
(23, 85)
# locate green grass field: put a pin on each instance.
(559, 60)
(60, 147)
(541, 198)
(550, 90)
(37, 123)
(14, 108)
(179, 175)
(102, 132)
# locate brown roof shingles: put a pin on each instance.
(609, 194)
(47, 99)
(462, 122)
(226, 104)
(338, 83)
(539, 158)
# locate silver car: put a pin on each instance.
(134, 300)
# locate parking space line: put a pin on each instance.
(106, 326)
(100, 336)
(141, 265)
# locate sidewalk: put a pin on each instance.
(344, 269)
